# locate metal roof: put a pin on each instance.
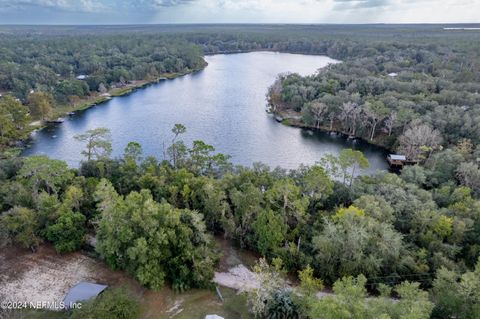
(83, 291)
(397, 157)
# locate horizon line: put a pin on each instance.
(239, 23)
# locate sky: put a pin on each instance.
(237, 11)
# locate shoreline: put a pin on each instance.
(117, 92)
(227, 52)
(98, 100)
(294, 120)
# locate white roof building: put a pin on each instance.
(397, 157)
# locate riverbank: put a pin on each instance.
(271, 50)
(294, 119)
(94, 100)
(97, 99)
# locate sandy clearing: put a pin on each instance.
(46, 277)
(241, 279)
(48, 281)
(238, 278)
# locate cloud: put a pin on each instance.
(360, 4)
(148, 4)
(243, 11)
(90, 5)
(66, 5)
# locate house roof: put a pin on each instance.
(83, 291)
(397, 157)
(213, 317)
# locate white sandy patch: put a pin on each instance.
(238, 278)
(243, 279)
(47, 280)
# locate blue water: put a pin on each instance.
(224, 105)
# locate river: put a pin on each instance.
(223, 105)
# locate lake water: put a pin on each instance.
(223, 105)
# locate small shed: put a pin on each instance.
(83, 291)
(396, 160)
(82, 77)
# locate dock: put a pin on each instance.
(395, 160)
(398, 161)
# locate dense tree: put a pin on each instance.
(40, 105)
(41, 173)
(155, 242)
(314, 182)
(274, 299)
(13, 121)
(352, 243)
(247, 203)
(469, 175)
(284, 198)
(20, 226)
(270, 231)
(376, 112)
(314, 112)
(376, 207)
(414, 174)
(457, 295)
(68, 232)
(441, 167)
(350, 301)
(419, 141)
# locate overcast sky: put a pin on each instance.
(237, 11)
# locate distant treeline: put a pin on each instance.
(49, 59)
(52, 64)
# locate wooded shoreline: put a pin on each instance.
(112, 93)
(288, 119)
